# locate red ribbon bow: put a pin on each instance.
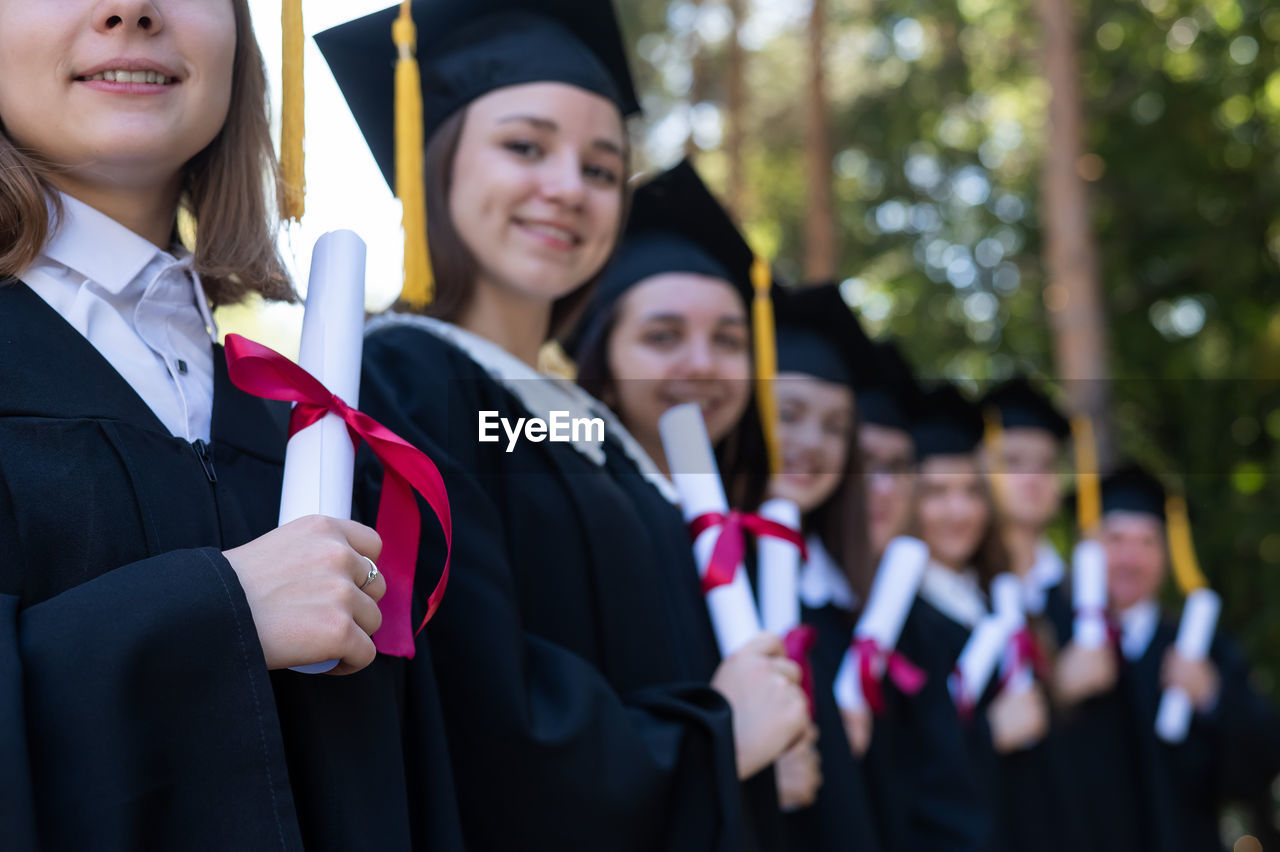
(799, 643)
(731, 545)
(1026, 653)
(263, 372)
(906, 675)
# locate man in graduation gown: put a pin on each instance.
(1232, 751)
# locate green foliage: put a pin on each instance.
(938, 112)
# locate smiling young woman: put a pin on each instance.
(148, 607)
(568, 692)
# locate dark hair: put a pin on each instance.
(453, 266)
(740, 455)
(223, 190)
(841, 522)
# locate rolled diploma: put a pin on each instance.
(1006, 595)
(1195, 633)
(893, 591)
(697, 480)
(1089, 594)
(979, 658)
(319, 462)
(779, 570)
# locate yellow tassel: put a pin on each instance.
(418, 288)
(766, 347)
(1088, 484)
(993, 440)
(1182, 551)
(292, 123)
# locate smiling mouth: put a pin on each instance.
(154, 78)
(550, 233)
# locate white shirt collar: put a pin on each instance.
(1138, 626)
(956, 594)
(821, 580)
(540, 394)
(1046, 572)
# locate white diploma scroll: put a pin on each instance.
(978, 661)
(779, 574)
(697, 480)
(1007, 600)
(1089, 594)
(1195, 633)
(319, 463)
(889, 602)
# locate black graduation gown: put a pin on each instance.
(136, 710)
(947, 759)
(841, 818)
(694, 635)
(1231, 754)
(1099, 760)
(566, 712)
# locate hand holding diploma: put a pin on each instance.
(319, 462)
(1187, 667)
(871, 655)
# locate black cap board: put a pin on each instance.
(468, 48)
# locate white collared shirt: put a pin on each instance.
(142, 308)
(1138, 626)
(956, 594)
(821, 580)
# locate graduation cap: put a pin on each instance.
(948, 424)
(406, 69)
(1133, 489)
(1018, 404)
(894, 399)
(818, 335)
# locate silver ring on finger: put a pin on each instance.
(373, 572)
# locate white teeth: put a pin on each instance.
(553, 231)
(152, 77)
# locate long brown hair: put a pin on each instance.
(224, 189)
(452, 264)
(841, 522)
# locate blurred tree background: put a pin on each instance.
(930, 137)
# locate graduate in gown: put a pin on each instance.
(148, 610)
(824, 358)
(669, 324)
(574, 719)
(1232, 750)
(954, 515)
(1023, 449)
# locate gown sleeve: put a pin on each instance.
(136, 711)
(544, 748)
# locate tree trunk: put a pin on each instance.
(698, 83)
(735, 109)
(1073, 292)
(820, 238)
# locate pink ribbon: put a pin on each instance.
(1026, 653)
(263, 372)
(906, 675)
(799, 643)
(731, 544)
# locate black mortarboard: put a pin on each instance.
(948, 424)
(1021, 405)
(676, 225)
(468, 48)
(1132, 489)
(894, 399)
(818, 335)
